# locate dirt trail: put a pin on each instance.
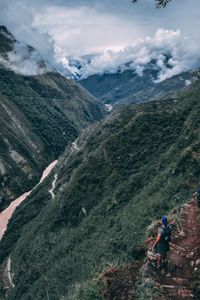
(181, 278)
(184, 255)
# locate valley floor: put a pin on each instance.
(8, 212)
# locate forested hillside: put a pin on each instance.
(136, 165)
(39, 116)
(128, 87)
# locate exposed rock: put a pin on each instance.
(2, 169)
(178, 283)
(182, 233)
(192, 263)
(17, 157)
(191, 254)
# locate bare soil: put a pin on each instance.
(179, 280)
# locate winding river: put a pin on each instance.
(8, 212)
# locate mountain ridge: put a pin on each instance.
(128, 87)
(40, 115)
(25, 59)
(139, 163)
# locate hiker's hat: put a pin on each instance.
(164, 220)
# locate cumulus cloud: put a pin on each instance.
(75, 33)
(82, 30)
(56, 27)
(168, 51)
(18, 16)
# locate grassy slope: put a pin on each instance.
(65, 95)
(142, 161)
(42, 111)
(39, 116)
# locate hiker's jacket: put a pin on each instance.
(165, 235)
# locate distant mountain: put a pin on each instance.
(23, 58)
(40, 115)
(128, 87)
(7, 41)
(136, 165)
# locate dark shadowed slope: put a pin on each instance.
(39, 116)
(127, 87)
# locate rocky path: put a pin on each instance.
(180, 280)
(184, 255)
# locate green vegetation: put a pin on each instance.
(127, 87)
(46, 115)
(138, 164)
(39, 116)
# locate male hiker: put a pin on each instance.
(161, 245)
(197, 196)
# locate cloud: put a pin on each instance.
(25, 60)
(82, 30)
(69, 31)
(18, 16)
(168, 51)
(54, 27)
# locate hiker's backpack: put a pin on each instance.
(198, 197)
(166, 236)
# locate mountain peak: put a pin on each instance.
(23, 58)
(7, 40)
(20, 57)
(4, 30)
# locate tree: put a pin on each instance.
(159, 3)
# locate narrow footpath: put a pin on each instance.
(181, 279)
(184, 258)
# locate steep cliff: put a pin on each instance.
(40, 115)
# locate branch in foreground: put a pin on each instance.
(158, 3)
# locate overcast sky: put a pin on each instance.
(79, 27)
(84, 26)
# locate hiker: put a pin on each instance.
(161, 245)
(197, 196)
